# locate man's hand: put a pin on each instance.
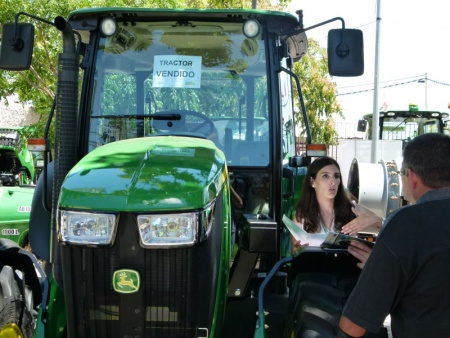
(365, 220)
(360, 251)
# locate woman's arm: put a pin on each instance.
(365, 220)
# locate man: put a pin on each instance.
(407, 275)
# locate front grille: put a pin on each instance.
(176, 297)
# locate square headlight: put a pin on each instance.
(168, 229)
(87, 228)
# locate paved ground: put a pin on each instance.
(14, 114)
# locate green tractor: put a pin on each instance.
(17, 178)
(132, 222)
(404, 125)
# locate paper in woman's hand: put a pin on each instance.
(301, 235)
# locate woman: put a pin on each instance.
(324, 204)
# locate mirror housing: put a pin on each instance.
(362, 126)
(345, 52)
(298, 161)
(17, 46)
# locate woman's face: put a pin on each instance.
(327, 182)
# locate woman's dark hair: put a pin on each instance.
(308, 209)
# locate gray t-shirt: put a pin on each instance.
(408, 272)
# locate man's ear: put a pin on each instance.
(415, 180)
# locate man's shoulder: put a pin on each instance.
(417, 212)
(399, 214)
(430, 200)
(435, 195)
(412, 222)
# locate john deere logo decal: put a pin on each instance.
(126, 281)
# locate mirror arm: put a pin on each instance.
(60, 23)
(301, 30)
(17, 43)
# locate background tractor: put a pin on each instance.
(17, 179)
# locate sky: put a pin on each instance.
(414, 43)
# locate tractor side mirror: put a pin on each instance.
(345, 52)
(16, 46)
(362, 125)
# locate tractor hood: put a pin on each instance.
(165, 173)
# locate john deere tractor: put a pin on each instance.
(17, 178)
(160, 115)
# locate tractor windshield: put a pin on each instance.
(405, 125)
(198, 79)
(408, 127)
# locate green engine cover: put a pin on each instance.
(165, 173)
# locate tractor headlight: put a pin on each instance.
(87, 228)
(164, 230)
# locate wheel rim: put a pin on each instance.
(11, 331)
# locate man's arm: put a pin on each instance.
(348, 329)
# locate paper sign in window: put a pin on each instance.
(177, 71)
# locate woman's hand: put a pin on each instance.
(297, 246)
(365, 220)
(360, 251)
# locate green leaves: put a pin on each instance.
(319, 93)
(38, 84)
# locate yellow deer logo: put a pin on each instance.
(123, 282)
(126, 281)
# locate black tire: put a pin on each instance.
(16, 307)
(316, 303)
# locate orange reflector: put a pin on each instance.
(36, 144)
(316, 150)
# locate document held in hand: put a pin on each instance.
(301, 235)
(330, 240)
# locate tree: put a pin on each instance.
(319, 94)
(260, 4)
(38, 84)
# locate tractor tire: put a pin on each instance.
(316, 304)
(17, 317)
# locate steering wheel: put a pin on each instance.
(189, 121)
